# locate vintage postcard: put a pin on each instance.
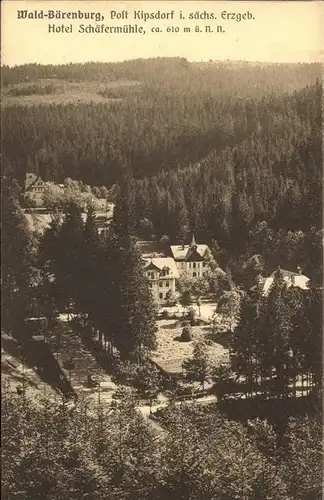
(162, 247)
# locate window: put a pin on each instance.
(167, 284)
(194, 275)
(150, 285)
(161, 295)
(194, 265)
(161, 283)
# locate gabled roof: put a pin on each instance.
(33, 180)
(160, 263)
(193, 255)
(30, 179)
(150, 266)
(285, 273)
(290, 277)
(183, 252)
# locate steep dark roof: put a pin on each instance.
(193, 255)
(183, 252)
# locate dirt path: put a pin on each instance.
(66, 344)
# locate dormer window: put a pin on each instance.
(165, 271)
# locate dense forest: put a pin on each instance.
(112, 453)
(180, 114)
(166, 69)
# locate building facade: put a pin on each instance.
(190, 259)
(164, 264)
(161, 273)
(34, 189)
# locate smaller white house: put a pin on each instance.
(161, 273)
(295, 279)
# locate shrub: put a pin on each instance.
(153, 343)
(192, 314)
(170, 299)
(186, 335)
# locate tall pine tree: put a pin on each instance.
(19, 250)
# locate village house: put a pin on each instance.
(293, 279)
(161, 273)
(34, 189)
(190, 259)
(103, 215)
(164, 264)
(103, 204)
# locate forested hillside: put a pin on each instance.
(273, 174)
(174, 114)
(271, 75)
(214, 148)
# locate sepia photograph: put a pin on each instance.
(162, 250)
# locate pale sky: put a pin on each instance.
(280, 32)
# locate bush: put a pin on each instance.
(170, 299)
(186, 335)
(185, 391)
(153, 343)
(166, 314)
(144, 378)
(192, 315)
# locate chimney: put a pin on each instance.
(299, 270)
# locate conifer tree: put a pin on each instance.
(276, 332)
(91, 271)
(198, 368)
(124, 217)
(243, 343)
(132, 313)
(49, 264)
(131, 307)
(18, 253)
(69, 250)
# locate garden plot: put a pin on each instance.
(171, 352)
